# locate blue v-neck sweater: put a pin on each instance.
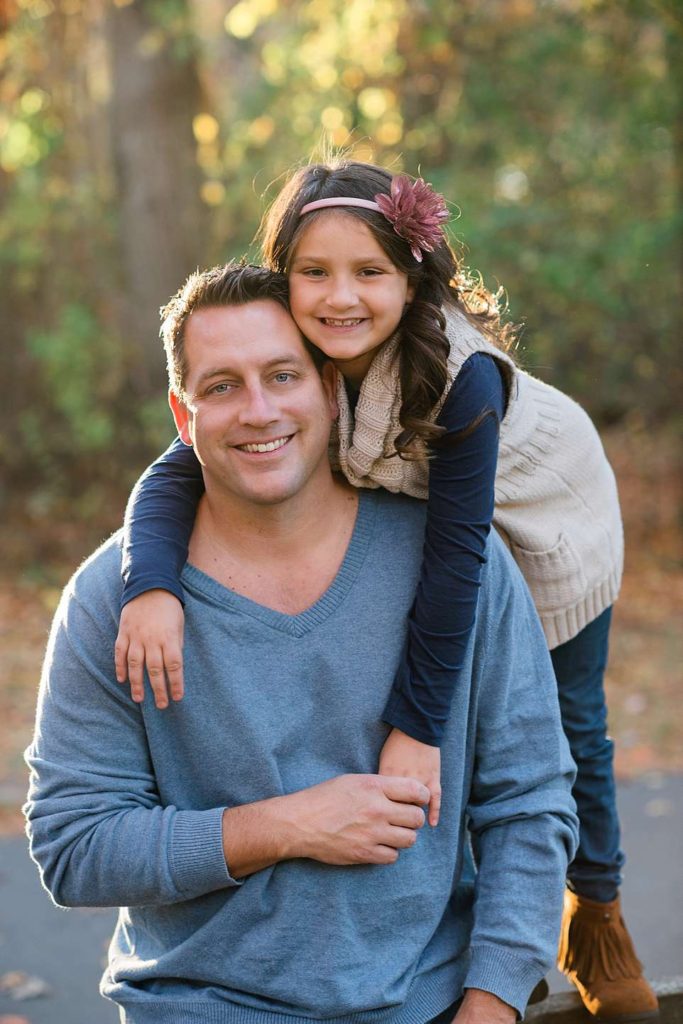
(126, 802)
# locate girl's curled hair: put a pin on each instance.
(439, 281)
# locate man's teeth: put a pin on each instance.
(269, 446)
(342, 323)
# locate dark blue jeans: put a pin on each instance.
(580, 668)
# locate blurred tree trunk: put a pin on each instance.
(162, 220)
(431, 44)
(673, 22)
(675, 55)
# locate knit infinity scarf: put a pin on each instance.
(362, 446)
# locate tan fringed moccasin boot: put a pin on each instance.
(597, 955)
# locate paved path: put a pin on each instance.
(67, 949)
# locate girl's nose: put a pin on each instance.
(342, 293)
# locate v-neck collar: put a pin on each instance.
(200, 583)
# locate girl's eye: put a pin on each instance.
(313, 272)
(370, 272)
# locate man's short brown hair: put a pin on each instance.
(232, 284)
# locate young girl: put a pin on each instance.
(432, 405)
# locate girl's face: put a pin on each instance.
(345, 294)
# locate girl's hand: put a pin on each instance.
(151, 635)
(403, 756)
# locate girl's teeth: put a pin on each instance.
(342, 323)
(270, 446)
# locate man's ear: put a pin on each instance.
(181, 417)
(328, 376)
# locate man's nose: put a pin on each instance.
(258, 407)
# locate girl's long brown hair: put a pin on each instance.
(439, 281)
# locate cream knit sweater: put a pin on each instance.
(556, 498)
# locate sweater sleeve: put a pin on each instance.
(98, 828)
(459, 514)
(158, 523)
(521, 812)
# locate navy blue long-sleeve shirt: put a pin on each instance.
(161, 511)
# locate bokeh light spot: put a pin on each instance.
(241, 21)
(389, 133)
(205, 128)
(373, 103)
(212, 193)
(261, 129)
(325, 76)
(33, 101)
(332, 118)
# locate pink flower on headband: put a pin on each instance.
(416, 212)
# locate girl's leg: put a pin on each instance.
(596, 952)
(579, 668)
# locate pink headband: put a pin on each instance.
(414, 209)
(341, 201)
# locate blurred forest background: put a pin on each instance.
(141, 138)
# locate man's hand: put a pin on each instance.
(479, 1007)
(351, 819)
(403, 756)
(151, 636)
(358, 819)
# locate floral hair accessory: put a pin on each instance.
(416, 212)
(413, 208)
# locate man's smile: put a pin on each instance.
(255, 447)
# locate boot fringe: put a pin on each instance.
(591, 950)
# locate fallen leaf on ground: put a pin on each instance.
(19, 985)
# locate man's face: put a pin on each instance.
(256, 410)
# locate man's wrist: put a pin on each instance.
(257, 835)
(481, 1007)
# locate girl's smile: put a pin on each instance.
(346, 295)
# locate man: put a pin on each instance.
(264, 872)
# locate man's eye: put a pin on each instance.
(283, 377)
(219, 389)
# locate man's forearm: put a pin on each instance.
(351, 819)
